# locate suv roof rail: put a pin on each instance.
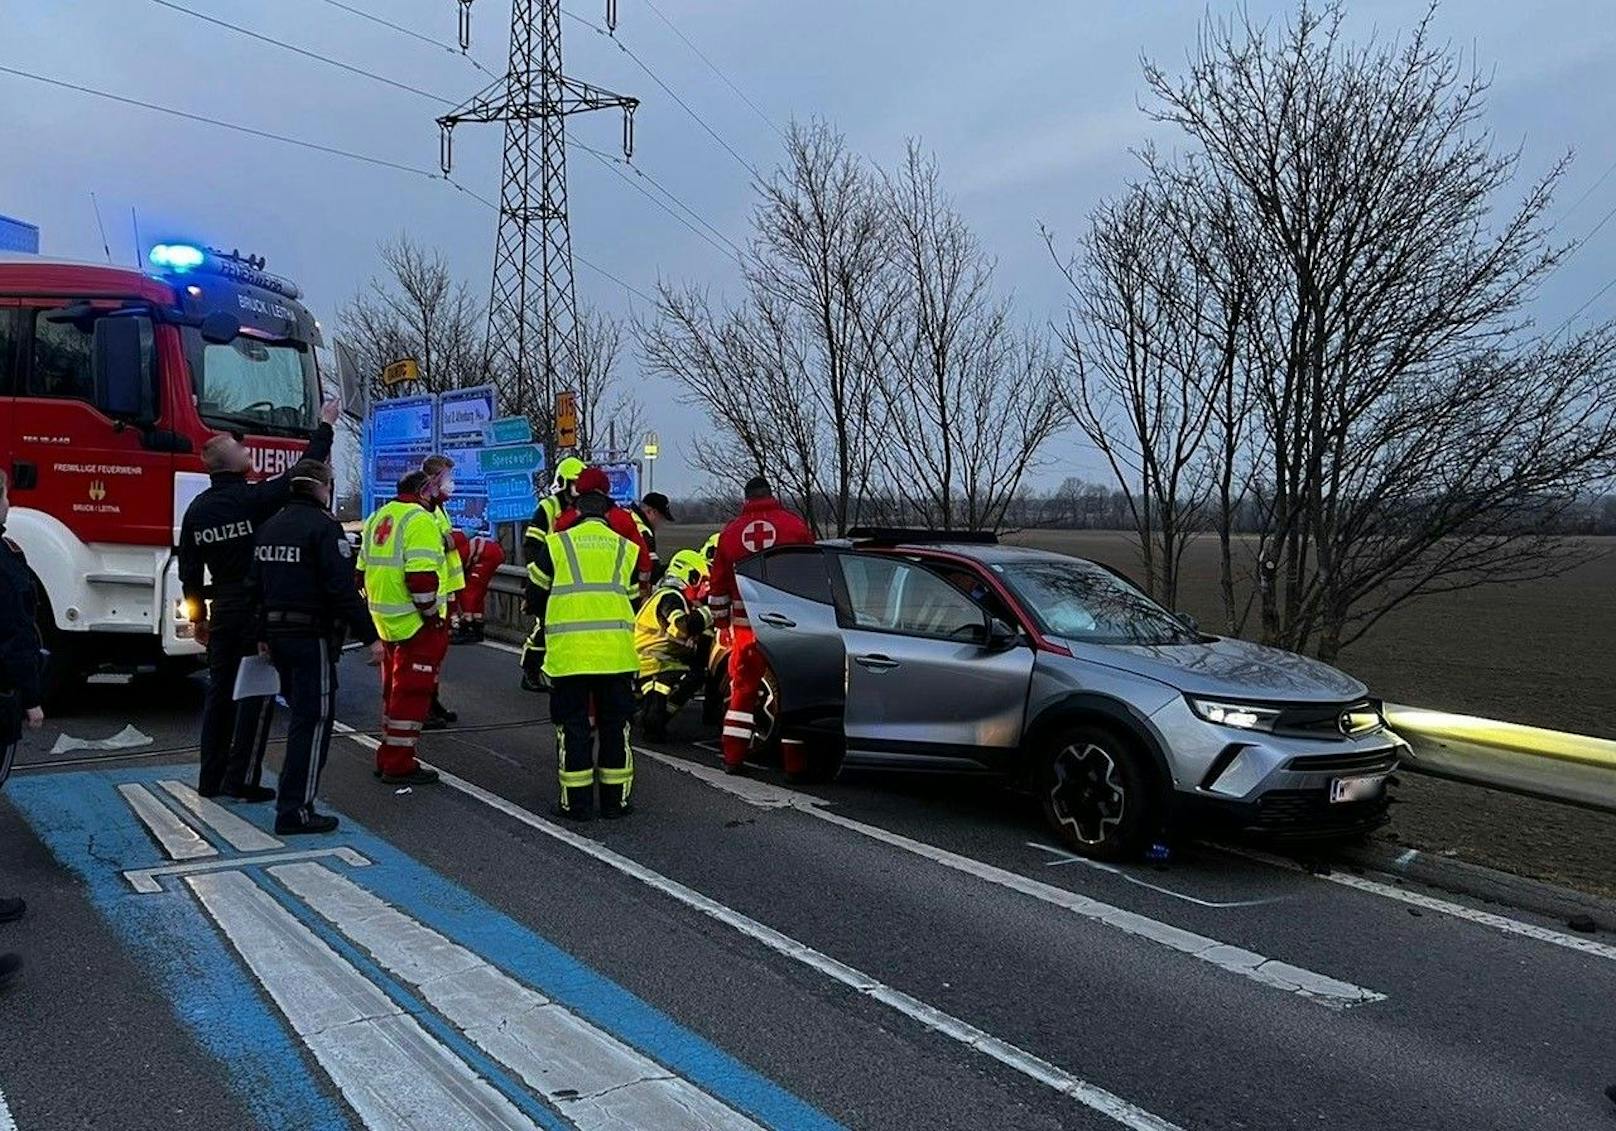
(903, 535)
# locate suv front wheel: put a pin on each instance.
(1095, 794)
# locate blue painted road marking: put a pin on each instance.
(91, 829)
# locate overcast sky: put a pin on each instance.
(1032, 109)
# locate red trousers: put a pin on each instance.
(746, 670)
(409, 681)
(481, 559)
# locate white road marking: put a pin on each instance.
(1096, 1098)
(390, 1070)
(6, 1122)
(241, 835)
(1266, 971)
(364, 740)
(176, 837)
(1442, 906)
(598, 1082)
(501, 646)
(1063, 858)
(145, 880)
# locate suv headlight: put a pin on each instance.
(1243, 716)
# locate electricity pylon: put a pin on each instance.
(532, 347)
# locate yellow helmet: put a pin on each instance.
(709, 549)
(687, 566)
(567, 472)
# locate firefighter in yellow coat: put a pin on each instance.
(672, 633)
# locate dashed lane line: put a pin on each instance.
(1092, 1096)
(1425, 902)
(1265, 971)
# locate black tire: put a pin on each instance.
(1096, 793)
(824, 762)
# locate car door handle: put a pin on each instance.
(777, 620)
(875, 662)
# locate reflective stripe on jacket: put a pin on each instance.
(666, 630)
(588, 621)
(400, 538)
(452, 577)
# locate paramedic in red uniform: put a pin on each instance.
(763, 523)
(481, 558)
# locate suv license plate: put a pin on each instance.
(1356, 789)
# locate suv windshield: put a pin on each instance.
(254, 384)
(1082, 601)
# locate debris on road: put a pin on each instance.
(126, 739)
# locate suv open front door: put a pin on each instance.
(928, 686)
(787, 593)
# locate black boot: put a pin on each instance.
(305, 821)
(421, 775)
(249, 793)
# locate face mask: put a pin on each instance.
(446, 488)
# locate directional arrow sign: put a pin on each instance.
(519, 457)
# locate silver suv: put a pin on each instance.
(1058, 673)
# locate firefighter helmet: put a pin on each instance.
(709, 549)
(567, 472)
(687, 566)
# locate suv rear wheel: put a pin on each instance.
(1095, 793)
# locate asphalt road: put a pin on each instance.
(887, 952)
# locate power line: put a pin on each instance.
(700, 54)
(331, 150)
(305, 52)
(1589, 191)
(668, 90)
(616, 164)
(413, 34)
(1595, 297)
(222, 124)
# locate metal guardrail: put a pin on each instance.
(1577, 769)
(1553, 765)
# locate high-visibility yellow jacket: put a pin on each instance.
(667, 630)
(452, 577)
(401, 537)
(588, 622)
(542, 526)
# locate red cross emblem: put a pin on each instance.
(384, 530)
(759, 535)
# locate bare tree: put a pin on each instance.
(968, 401)
(607, 408)
(1405, 421)
(417, 310)
(786, 376)
(1147, 378)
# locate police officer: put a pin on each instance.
(543, 524)
(217, 538)
(584, 574)
(303, 578)
(649, 515)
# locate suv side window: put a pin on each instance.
(799, 571)
(61, 363)
(892, 595)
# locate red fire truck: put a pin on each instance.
(111, 380)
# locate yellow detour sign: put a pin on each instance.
(400, 371)
(566, 420)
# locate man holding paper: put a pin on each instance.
(303, 576)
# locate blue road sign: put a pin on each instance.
(405, 421)
(345, 955)
(512, 486)
(510, 430)
(511, 510)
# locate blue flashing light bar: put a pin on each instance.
(179, 257)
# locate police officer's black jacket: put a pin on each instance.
(20, 656)
(302, 576)
(221, 526)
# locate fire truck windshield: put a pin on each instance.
(253, 384)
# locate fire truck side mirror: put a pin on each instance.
(220, 328)
(121, 372)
